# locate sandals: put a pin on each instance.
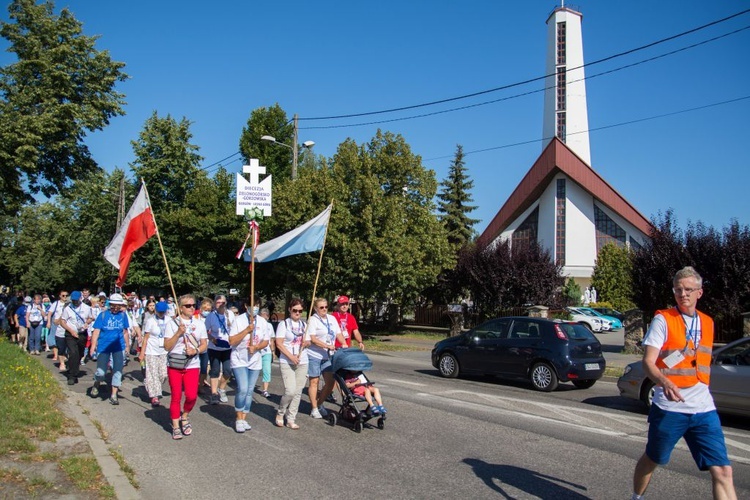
(176, 433)
(279, 421)
(187, 429)
(292, 425)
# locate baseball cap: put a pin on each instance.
(27, 299)
(75, 295)
(343, 299)
(102, 294)
(161, 307)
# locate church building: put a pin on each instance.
(562, 202)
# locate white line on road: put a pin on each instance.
(405, 382)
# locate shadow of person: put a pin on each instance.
(534, 483)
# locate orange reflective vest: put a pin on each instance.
(696, 367)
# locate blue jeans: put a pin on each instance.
(35, 337)
(246, 380)
(101, 367)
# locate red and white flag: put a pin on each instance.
(137, 227)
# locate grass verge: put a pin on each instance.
(28, 398)
(85, 474)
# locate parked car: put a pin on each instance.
(593, 322)
(608, 311)
(542, 351)
(730, 379)
(616, 323)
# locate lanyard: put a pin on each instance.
(222, 321)
(691, 333)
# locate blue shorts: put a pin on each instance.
(702, 433)
(317, 366)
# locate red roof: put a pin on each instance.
(557, 157)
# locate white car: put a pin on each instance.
(594, 323)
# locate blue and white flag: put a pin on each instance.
(308, 237)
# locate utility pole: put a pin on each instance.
(121, 203)
(295, 153)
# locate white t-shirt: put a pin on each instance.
(325, 330)
(292, 333)
(697, 398)
(95, 312)
(271, 335)
(56, 310)
(224, 323)
(155, 328)
(240, 356)
(193, 328)
(76, 317)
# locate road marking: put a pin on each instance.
(736, 444)
(405, 382)
(455, 402)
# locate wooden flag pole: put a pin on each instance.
(158, 237)
(317, 274)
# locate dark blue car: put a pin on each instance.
(543, 351)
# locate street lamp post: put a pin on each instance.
(293, 147)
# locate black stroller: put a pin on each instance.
(352, 360)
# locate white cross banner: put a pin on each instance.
(254, 194)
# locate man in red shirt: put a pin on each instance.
(348, 323)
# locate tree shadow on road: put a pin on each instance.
(534, 483)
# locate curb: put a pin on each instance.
(73, 408)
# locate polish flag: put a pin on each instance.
(137, 227)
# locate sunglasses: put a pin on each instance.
(296, 310)
(322, 307)
(63, 295)
(188, 305)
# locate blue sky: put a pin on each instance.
(213, 63)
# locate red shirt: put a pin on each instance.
(348, 324)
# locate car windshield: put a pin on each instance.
(735, 355)
(576, 332)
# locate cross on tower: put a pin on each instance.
(254, 169)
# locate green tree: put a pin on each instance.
(59, 89)
(571, 293)
(195, 215)
(613, 277)
(455, 203)
(269, 121)
(384, 243)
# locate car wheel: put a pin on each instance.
(543, 377)
(584, 384)
(647, 392)
(448, 366)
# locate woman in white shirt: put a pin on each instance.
(154, 327)
(293, 363)
(184, 336)
(247, 360)
(324, 330)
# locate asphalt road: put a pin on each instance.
(468, 438)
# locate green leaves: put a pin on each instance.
(59, 89)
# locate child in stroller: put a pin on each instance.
(350, 364)
(360, 386)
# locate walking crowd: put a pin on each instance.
(191, 345)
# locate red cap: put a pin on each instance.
(343, 299)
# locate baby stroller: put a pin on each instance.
(352, 360)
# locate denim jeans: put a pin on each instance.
(35, 338)
(246, 380)
(101, 367)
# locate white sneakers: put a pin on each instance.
(319, 412)
(241, 426)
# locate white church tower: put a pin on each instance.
(565, 114)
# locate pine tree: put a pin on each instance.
(455, 203)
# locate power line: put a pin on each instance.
(524, 94)
(505, 87)
(603, 127)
